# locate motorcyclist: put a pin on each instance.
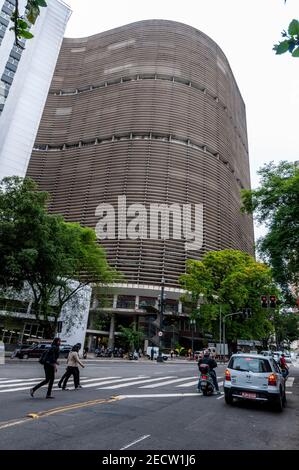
(206, 359)
(283, 366)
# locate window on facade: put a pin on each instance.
(171, 306)
(4, 15)
(126, 301)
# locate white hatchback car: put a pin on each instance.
(254, 377)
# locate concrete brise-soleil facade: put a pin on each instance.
(26, 71)
(150, 111)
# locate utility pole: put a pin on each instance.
(160, 358)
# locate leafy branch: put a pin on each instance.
(291, 41)
(22, 23)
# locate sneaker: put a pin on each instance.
(59, 385)
(217, 392)
(32, 392)
(49, 396)
(63, 388)
(79, 386)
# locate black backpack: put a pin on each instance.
(42, 359)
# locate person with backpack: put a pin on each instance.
(49, 360)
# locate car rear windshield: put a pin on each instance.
(249, 364)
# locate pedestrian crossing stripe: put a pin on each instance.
(114, 382)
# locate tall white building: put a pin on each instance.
(25, 77)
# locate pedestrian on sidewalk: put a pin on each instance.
(73, 361)
(152, 353)
(50, 363)
(85, 352)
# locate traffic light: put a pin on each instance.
(273, 301)
(264, 301)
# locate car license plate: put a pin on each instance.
(251, 396)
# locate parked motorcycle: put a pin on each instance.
(206, 381)
(133, 356)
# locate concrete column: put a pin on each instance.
(180, 307)
(111, 331)
(115, 301)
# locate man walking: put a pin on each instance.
(49, 361)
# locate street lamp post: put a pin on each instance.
(192, 323)
(160, 358)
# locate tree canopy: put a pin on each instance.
(276, 203)
(43, 250)
(235, 281)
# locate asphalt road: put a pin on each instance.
(137, 406)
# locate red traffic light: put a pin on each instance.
(273, 301)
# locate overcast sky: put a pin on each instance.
(246, 31)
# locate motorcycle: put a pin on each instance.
(206, 381)
(133, 356)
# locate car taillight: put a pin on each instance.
(272, 379)
(227, 375)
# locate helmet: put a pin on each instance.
(206, 352)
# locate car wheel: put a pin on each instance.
(228, 398)
(284, 399)
(278, 404)
(25, 356)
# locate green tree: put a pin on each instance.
(44, 252)
(286, 325)
(233, 280)
(22, 22)
(276, 203)
(132, 337)
(290, 41)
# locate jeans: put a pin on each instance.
(74, 371)
(50, 375)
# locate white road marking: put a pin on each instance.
(104, 382)
(135, 442)
(188, 384)
(165, 383)
(289, 393)
(222, 396)
(159, 395)
(134, 383)
(14, 423)
(15, 389)
(290, 382)
(98, 379)
(17, 383)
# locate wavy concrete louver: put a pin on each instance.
(152, 111)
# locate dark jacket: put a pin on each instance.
(208, 360)
(52, 355)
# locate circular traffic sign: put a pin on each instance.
(160, 333)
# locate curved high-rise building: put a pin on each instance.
(150, 111)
